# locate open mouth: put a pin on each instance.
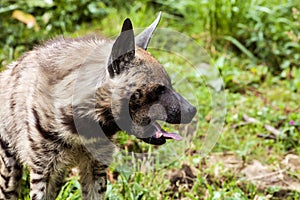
(160, 135)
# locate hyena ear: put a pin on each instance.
(123, 50)
(143, 39)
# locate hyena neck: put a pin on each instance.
(91, 116)
(103, 111)
(94, 126)
(107, 123)
(109, 128)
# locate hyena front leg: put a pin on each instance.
(38, 183)
(55, 183)
(45, 187)
(46, 178)
(93, 180)
(10, 172)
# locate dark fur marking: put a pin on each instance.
(103, 167)
(102, 190)
(110, 128)
(135, 73)
(42, 189)
(131, 85)
(37, 171)
(6, 148)
(99, 174)
(12, 101)
(18, 176)
(35, 181)
(38, 163)
(68, 121)
(30, 138)
(28, 127)
(8, 194)
(34, 197)
(6, 179)
(14, 69)
(34, 147)
(62, 77)
(4, 162)
(48, 135)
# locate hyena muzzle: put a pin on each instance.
(69, 96)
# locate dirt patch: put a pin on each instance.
(180, 179)
(284, 176)
(265, 177)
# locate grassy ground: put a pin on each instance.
(257, 154)
(256, 157)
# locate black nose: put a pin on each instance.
(189, 114)
(179, 110)
(192, 111)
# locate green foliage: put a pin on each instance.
(243, 37)
(52, 18)
(71, 190)
(272, 33)
(267, 32)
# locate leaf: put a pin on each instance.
(285, 64)
(40, 3)
(264, 9)
(8, 8)
(240, 46)
(26, 18)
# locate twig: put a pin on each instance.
(247, 120)
(272, 130)
(267, 136)
(267, 175)
(250, 120)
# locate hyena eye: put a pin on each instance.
(160, 89)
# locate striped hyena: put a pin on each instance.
(63, 101)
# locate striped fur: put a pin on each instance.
(50, 89)
(63, 101)
(36, 120)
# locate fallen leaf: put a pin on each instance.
(26, 18)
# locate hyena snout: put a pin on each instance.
(178, 109)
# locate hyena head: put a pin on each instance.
(141, 89)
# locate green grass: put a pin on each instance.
(252, 90)
(239, 47)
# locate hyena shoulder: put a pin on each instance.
(36, 117)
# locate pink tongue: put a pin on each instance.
(172, 136)
(160, 132)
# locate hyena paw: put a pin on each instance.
(95, 191)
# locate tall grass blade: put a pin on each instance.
(241, 47)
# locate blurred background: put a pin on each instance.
(255, 45)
